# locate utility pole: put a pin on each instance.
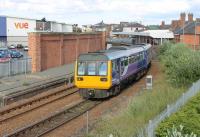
(195, 36)
(183, 31)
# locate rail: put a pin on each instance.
(29, 103)
(55, 120)
(35, 88)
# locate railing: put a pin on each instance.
(12, 67)
(149, 130)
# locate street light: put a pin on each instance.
(183, 31)
(195, 35)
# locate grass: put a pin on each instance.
(25, 84)
(140, 110)
(188, 117)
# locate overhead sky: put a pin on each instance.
(93, 11)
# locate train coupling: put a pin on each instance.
(91, 92)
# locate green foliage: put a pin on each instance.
(181, 64)
(188, 116)
(139, 111)
(178, 132)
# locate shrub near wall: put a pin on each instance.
(181, 64)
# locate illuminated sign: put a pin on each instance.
(21, 25)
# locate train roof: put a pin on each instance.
(114, 52)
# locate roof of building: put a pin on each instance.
(153, 27)
(160, 33)
(151, 33)
(118, 29)
(42, 20)
(135, 25)
(188, 29)
(100, 24)
(165, 27)
(17, 17)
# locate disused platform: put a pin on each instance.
(16, 86)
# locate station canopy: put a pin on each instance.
(156, 34)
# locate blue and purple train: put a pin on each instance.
(102, 74)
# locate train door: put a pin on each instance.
(122, 66)
(116, 71)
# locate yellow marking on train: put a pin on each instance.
(94, 81)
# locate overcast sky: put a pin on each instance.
(93, 11)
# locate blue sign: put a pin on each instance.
(3, 26)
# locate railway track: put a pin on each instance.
(19, 92)
(35, 103)
(55, 120)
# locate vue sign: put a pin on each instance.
(21, 25)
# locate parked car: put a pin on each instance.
(20, 46)
(4, 53)
(12, 46)
(15, 54)
(25, 48)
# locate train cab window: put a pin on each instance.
(102, 68)
(81, 68)
(91, 68)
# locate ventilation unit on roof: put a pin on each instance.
(118, 48)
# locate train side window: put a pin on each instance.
(122, 62)
(81, 68)
(126, 62)
(138, 57)
(141, 56)
(129, 60)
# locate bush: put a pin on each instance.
(181, 64)
(178, 132)
(188, 116)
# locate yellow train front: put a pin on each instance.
(93, 75)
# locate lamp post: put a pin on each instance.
(183, 31)
(195, 36)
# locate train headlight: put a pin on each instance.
(79, 79)
(104, 79)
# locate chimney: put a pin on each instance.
(182, 16)
(190, 17)
(162, 23)
(182, 19)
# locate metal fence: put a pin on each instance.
(149, 130)
(15, 66)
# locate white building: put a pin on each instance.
(14, 30)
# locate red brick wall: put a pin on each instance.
(49, 50)
(189, 39)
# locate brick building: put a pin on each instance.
(189, 34)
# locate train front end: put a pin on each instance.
(93, 75)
